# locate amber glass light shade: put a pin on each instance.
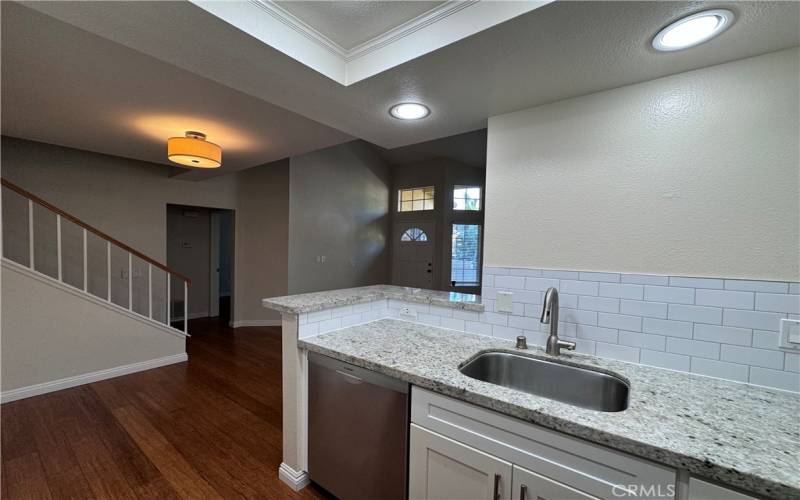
(194, 151)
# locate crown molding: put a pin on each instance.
(447, 23)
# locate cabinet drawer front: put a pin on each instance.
(590, 468)
(702, 490)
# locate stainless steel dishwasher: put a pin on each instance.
(357, 431)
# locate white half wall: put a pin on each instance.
(695, 174)
(50, 334)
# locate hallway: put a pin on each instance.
(209, 428)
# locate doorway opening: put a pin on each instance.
(200, 245)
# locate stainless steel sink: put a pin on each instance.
(567, 384)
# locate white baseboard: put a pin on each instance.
(255, 322)
(297, 480)
(87, 378)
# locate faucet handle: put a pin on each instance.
(522, 342)
(566, 344)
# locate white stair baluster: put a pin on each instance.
(150, 291)
(30, 232)
(58, 245)
(85, 264)
(169, 299)
(130, 281)
(108, 265)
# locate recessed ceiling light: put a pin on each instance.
(409, 111)
(693, 30)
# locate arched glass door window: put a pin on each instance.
(414, 234)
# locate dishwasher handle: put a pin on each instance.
(350, 379)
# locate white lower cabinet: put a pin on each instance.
(460, 451)
(527, 485)
(443, 469)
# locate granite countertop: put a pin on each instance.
(744, 436)
(310, 302)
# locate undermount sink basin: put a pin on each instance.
(568, 384)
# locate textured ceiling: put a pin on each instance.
(65, 86)
(349, 24)
(561, 50)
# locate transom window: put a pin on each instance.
(415, 199)
(414, 234)
(465, 255)
(466, 198)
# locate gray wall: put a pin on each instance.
(338, 209)
(189, 253)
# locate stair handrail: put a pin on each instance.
(66, 215)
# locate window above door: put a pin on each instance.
(415, 199)
(467, 198)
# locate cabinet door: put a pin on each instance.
(527, 485)
(701, 490)
(443, 469)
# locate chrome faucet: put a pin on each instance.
(550, 316)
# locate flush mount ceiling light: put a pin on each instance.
(409, 111)
(693, 30)
(194, 151)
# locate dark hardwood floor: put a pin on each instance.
(209, 428)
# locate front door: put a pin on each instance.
(413, 254)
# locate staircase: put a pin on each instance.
(79, 305)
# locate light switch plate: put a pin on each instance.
(790, 333)
(504, 302)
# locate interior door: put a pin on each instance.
(443, 469)
(527, 485)
(413, 254)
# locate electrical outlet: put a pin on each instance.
(790, 333)
(504, 302)
(407, 312)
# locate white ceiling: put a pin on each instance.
(560, 50)
(65, 86)
(350, 23)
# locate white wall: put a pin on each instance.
(694, 174)
(189, 253)
(50, 334)
(339, 202)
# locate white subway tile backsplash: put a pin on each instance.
(785, 303)
(754, 357)
(524, 271)
(496, 270)
(696, 348)
(607, 277)
(445, 312)
(429, 319)
(720, 369)
(540, 284)
(669, 294)
(724, 298)
(330, 325)
(665, 360)
(578, 316)
(667, 327)
(505, 332)
(756, 286)
(579, 287)
(696, 282)
(307, 330)
(583, 346)
(643, 340)
(598, 334)
(316, 316)
(792, 362)
(466, 315)
(763, 339)
(788, 381)
(453, 324)
(642, 308)
(524, 322)
(561, 275)
(566, 300)
(494, 318)
(364, 307)
(794, 288)
(527, 296)
(696, 314)
(645, 279)
(479, 327)
(512, 282)
(723, 334)
(352, 319)
(488, 280)
(620, 321)
(622, 291)
(604, 304)
(752, 319)
(615, 351)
